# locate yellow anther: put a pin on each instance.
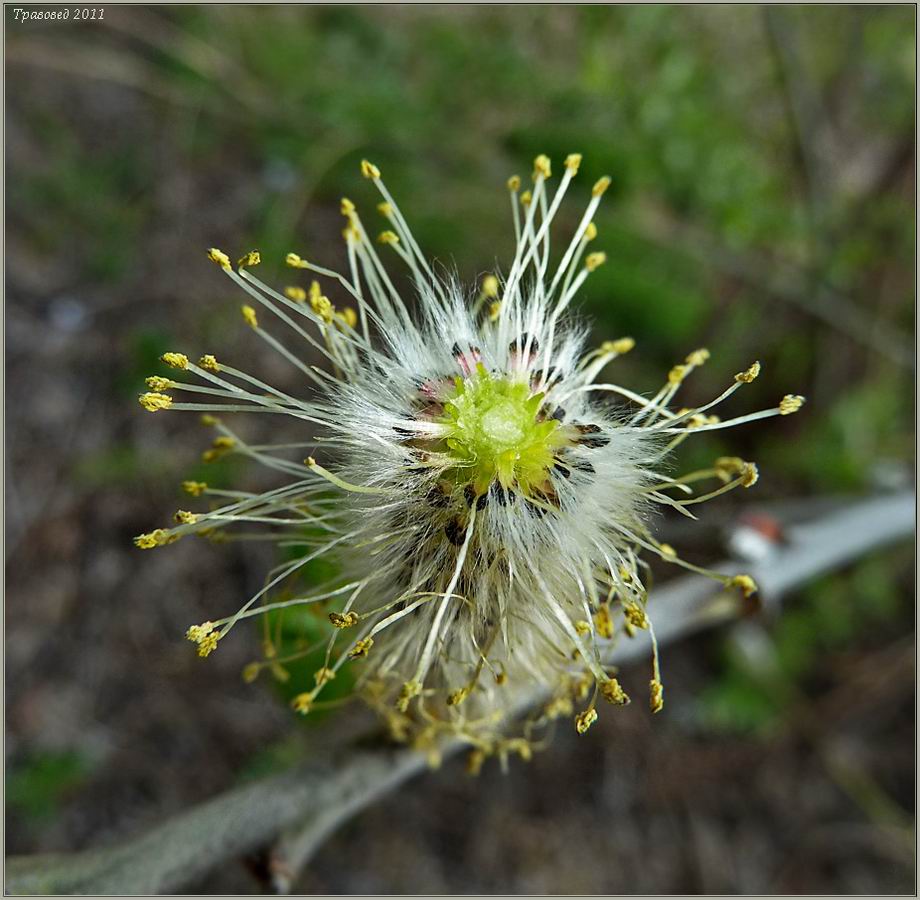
(656, 695)
(369, 170)
(619, 346)
(667, 551)
(409, 690)
(385, 209)
(612, 691)
(252, 258)
(749, 475)
(542, 166)
(195, 488)
(697, 357)
(156, 538)
(346, 207)
(303, 703)
(584, 720)
(197, 633)
(583, 627)
(635, 615)
(219, 447)
(388, 237)
(603, 622)
(295, 261)
(323, 307)
(343, 620)
(514, 183)
(590, 232)
(175, 360)
(348, 316)
(791, 403)
(208, 420)
(594, 260)
(526, 197)
(495, 310)
(490, 286)
(626, 575)
(184, 517)
(207, 645)
(748, 375)
(520, 746)
(745, 583)
(677, 375)
(153, 400)
(727, 466)
(297, 294)
(323, 676)
(157, 383)
(455, 698)
(249, 315)
(572, 162)
(217, 256)
(361, 649)
(209, 362)
(351, 234)
(558, 707)
(251, 672)
(474, 762)
(600, 186)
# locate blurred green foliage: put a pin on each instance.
(38, 784)
(691, 109)
(84, 194)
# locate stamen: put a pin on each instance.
(217, 256)
(341, 483)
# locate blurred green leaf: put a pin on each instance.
(36, 786)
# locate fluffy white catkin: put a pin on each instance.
(486, 503)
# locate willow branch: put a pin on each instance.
(310, 801)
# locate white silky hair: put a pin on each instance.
(518, 557)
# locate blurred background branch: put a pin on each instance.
(327, 792)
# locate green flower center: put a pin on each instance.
(495, 432)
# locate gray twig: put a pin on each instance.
(315, 798)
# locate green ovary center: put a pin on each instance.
(495, 432)
(503, 427)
